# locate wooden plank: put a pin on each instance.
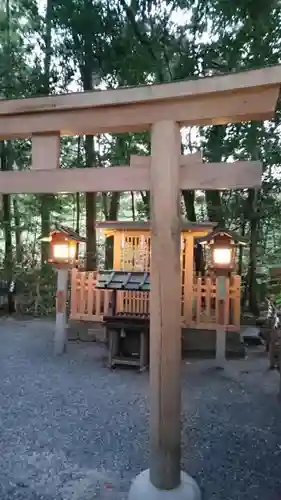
(73, 300)
(45, 151)
(117, 250)
(165, 308)
(198, 300)
(188, 277)
(236, 294)
(222, 176)
(208, 284)
(211, 174)
(83, 292)
(212, 326)
(206, 109)
(91, 298)
(107, 296)
(227, 303)
(238, 175)
(270, 76)
(74, 180)
(145, 161)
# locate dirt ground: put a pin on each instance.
(70, 429)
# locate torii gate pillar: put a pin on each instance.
(165, 479)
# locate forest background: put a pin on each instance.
(59, 46)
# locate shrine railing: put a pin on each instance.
(199, 308)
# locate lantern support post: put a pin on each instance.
(63, 245)
(221, 329)
(222, 244)
(60, 339)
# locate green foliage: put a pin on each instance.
(93, 43)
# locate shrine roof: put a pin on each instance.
(70, 233)
(146, 225)
(240, 240)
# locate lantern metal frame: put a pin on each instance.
(63, 236)
(222, 239)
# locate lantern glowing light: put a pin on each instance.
(62, 249)
(222, 246)
(222, 256)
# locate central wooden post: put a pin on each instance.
(165, 300)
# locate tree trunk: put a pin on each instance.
(213, 153)
(77, 212)
(189, 199)
(47, 199)
(133, 205)
(8, 259)
(145, 195)
(5, 149)
(6, 162)
(109, 242)
(254, 239)
(46, 204)
(91, 254)
(77, 198)
(17, 230)
(87, 69)
(240, 256)
(252, 214)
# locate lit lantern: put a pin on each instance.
(222, 245)
(223, 250)
(63, 246)
(62, 249)
(222, 256)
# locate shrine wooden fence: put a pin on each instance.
(199, 307)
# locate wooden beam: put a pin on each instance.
(210, 175)
(145, 161)
(165, 308)
(206, 109)
(238, 175)
(74, 180)
(222, 176)
(246, 80)
(45, 151)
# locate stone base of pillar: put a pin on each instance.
(143, 489)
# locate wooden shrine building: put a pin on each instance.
(132, 252)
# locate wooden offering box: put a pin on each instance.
(128, 334)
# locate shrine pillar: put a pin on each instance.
(164, 476)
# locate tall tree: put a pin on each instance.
(6, 150)
(46, 200)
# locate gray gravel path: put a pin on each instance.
(70, 429)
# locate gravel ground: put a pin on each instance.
(70, 429)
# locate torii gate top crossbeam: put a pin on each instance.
(221, 99)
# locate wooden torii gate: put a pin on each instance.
(163, 109)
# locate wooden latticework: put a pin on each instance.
(87, 303)
(199, 305)
(135, 252)
(205, 302)
(132, 252)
